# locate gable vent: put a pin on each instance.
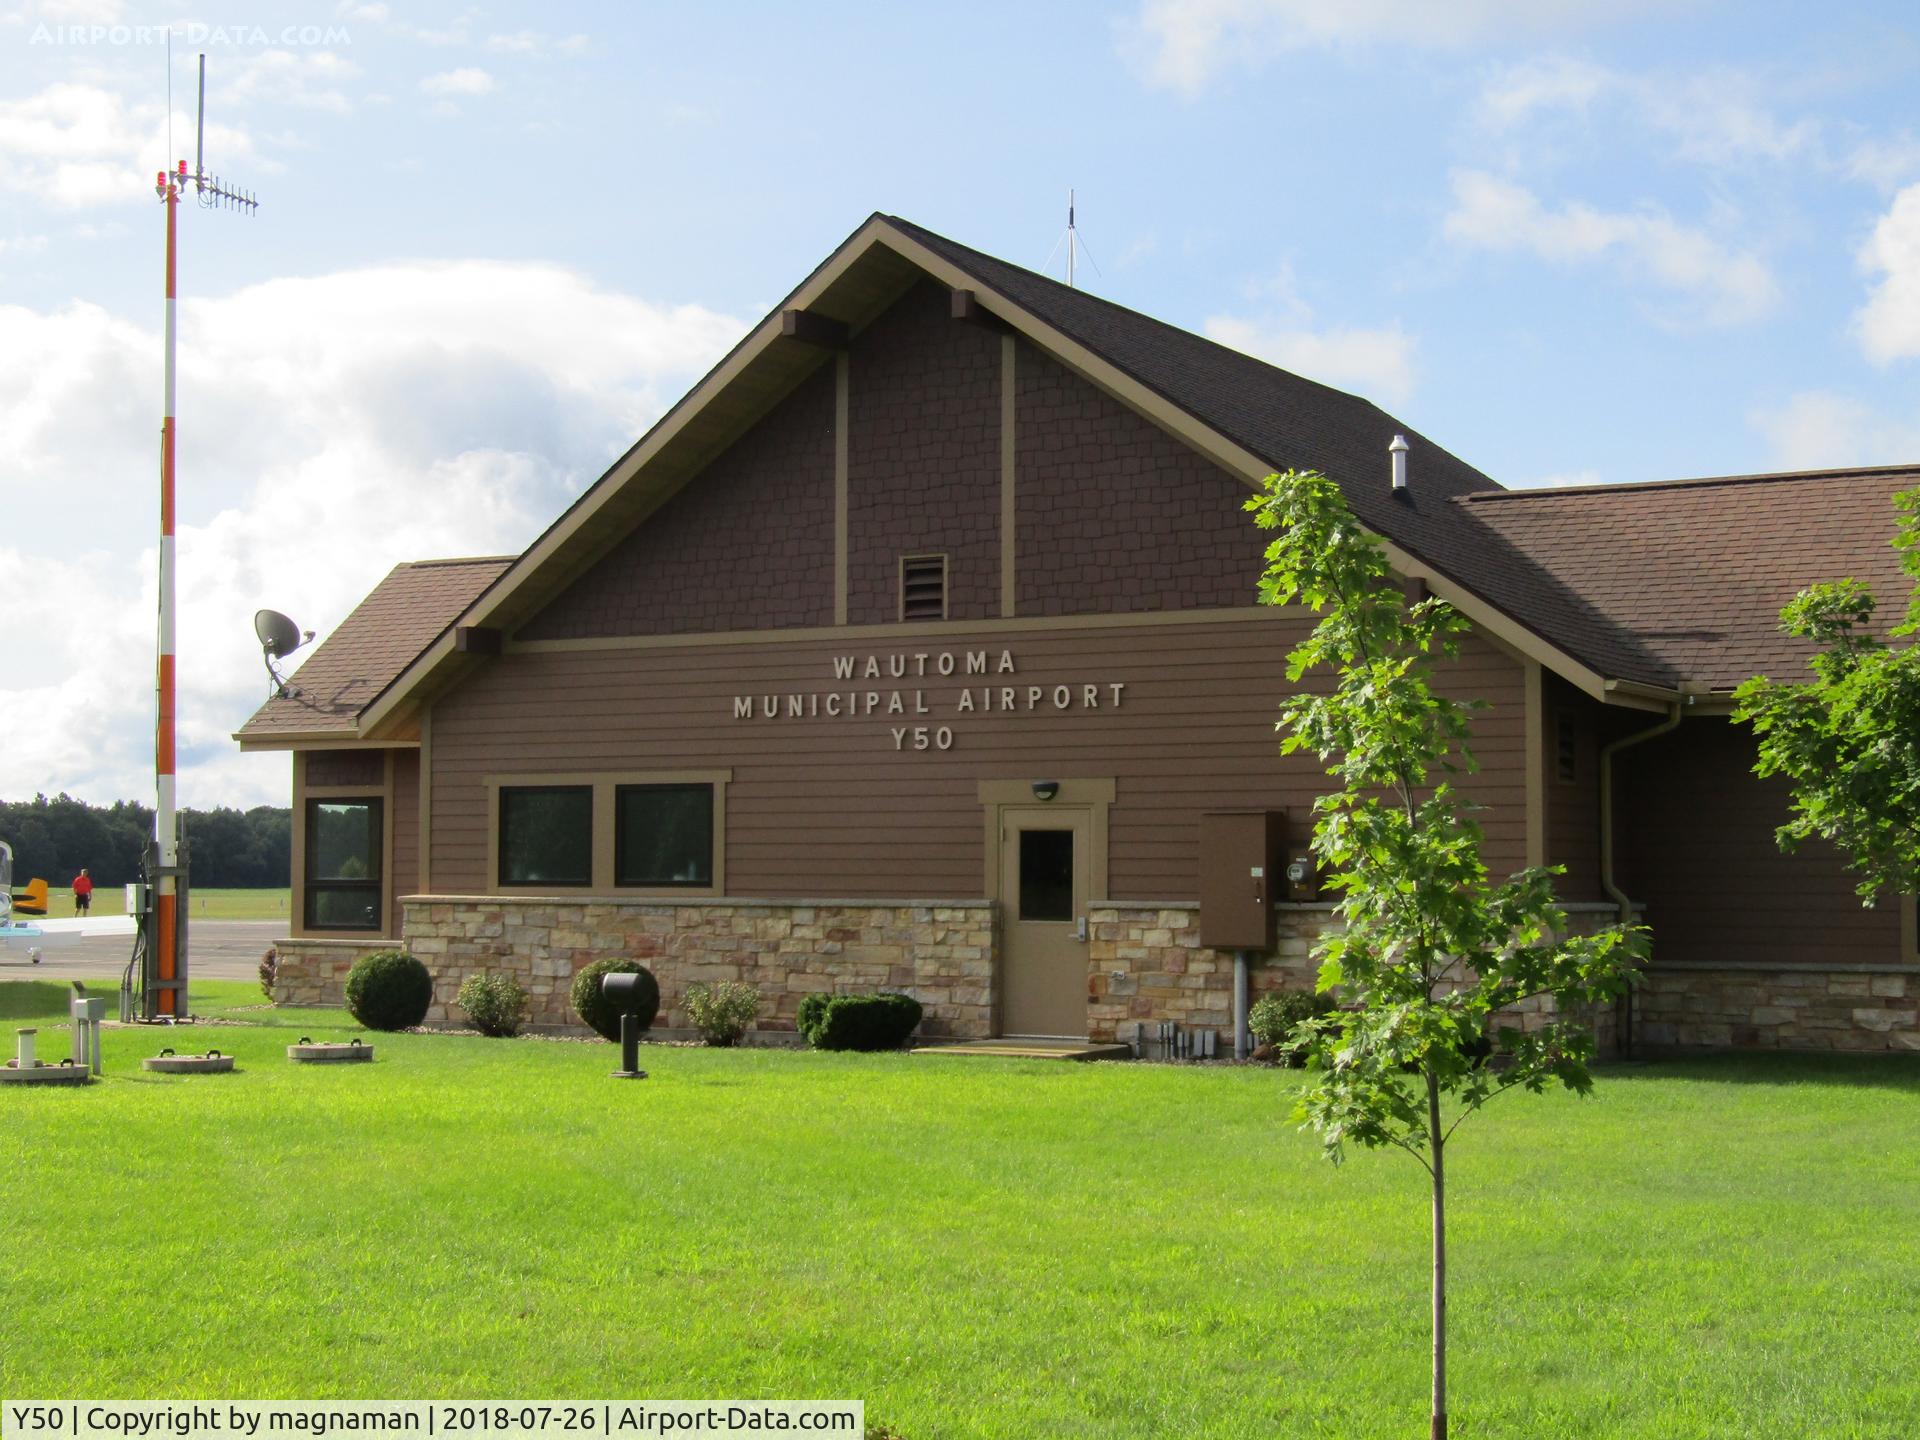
(923, 587)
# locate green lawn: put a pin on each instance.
(976, 1248)
(206, 904)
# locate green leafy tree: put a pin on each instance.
(1432, 953)
(1849, 739)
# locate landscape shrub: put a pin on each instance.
(389, 990)
(594, 1011)
(722, 1011)
(269, 967)
(807, 1018)
(863, 1022)
(495, 1003)
(1275, 1016)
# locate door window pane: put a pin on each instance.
(663, 835)
(1046, 874)
(546, 835)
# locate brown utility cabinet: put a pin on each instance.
(1243, 862)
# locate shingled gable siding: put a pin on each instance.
(923, 457)
(747, 545)
(1114, 514)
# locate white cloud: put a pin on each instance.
(535, 42)
(1564, 480)
(1375, 363)
(308, 79)
(467, 80)
(1888, 325)
(1885, 162)
(1515, 94)
(77, 146)
(331, 427)
(1721, 116)
(1821, 429)
(1183, 45)
(1725, 285)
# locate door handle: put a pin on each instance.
(1080, 929)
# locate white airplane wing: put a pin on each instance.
(81, 927)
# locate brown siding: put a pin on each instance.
(1696, 844)
(923, 457)
(1113, 514)
(1573, 807)
(747, 545)
(828, 809)
(404, 806)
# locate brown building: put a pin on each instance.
(912, 647)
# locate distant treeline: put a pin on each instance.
(230, 849)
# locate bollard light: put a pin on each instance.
(622, 992)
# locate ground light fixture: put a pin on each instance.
(622, 991)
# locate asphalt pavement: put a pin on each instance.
(216, 950)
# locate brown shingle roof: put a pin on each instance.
(1291, 422)
(1695, 571)
(403, 615)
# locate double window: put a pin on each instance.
(620, 832)
(343, 869)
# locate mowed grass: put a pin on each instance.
(205, 904)
(976, 1248)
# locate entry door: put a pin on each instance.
(1045, 869)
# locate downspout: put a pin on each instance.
(1607, 881)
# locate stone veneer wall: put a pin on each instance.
(1716, 1007)
(314, 972)
(1145, 964)
(939, 951)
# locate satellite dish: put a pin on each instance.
(279, 638)
(278, 634)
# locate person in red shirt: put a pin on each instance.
(82, 894)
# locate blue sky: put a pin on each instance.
(1574, 241)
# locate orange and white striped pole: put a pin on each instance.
(165, 826)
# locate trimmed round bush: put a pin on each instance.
(862, 1022)
(389, 990)
(594, 1011)
(495, 1003)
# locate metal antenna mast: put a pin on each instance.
(162, 921)
(1073, 241)
(1075, 247)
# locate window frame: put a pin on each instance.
(605, 786)
(620, 792)
(375, 883)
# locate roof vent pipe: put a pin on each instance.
(1398, 450)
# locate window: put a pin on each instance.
(546, 835)
(343, 865)
(1046, 874)
(923, 587)
(663, 835)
